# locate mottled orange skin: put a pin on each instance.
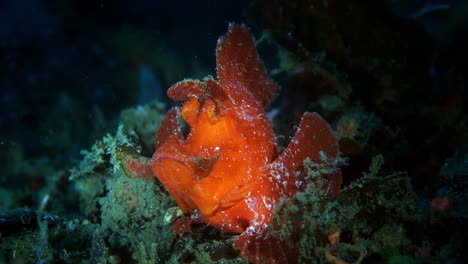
(240, 151)
(226, 172)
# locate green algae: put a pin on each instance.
(133, 213)
(144, 121)
(122, 219)
(370, 212)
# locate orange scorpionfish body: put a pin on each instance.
(226, 172)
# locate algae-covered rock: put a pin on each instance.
(367, 215)
(144, 121)
(133, 212)
(103, 161)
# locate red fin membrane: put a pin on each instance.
(169, 128)
(184, 224)
(182, 90)
(239, 68)
(185, 89)
(141, 168)
(259, 247)
(315, 140)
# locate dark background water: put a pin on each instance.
(64, 77)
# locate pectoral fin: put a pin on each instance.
(258, 246)
(315, 140)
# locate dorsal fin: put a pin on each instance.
(239, 69)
